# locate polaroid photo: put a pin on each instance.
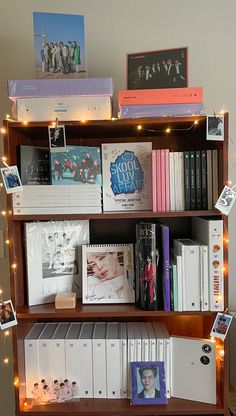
(226, 200)
(148, 384)
(158, 69)
(215, 128)
(221, 325)
(7, 315)
(11, 179)
(57, 138)
(108, 273)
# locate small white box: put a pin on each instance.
(64, 108)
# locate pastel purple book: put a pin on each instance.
(160, 110)
(59, 87)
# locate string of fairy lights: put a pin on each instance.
(7, 213)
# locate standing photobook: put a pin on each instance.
(108, 273)
(127, 176)
(53, 253)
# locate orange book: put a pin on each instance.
(161, 96)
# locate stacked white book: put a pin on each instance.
(65, 99)
(53, 199)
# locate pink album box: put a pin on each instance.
(39, 88)
(161, 96)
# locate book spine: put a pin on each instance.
(198, 180)
(192, 180)
(158, 173)
(209, 180)
(154, 181)
(215, 183)
(204, 179)
(216, 265)
(187, 180)
(172, 182)
(163, 181)
(166, 266)
(167, 179)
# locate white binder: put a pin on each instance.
(152, 341)
(72, 354)
(113, 360)
(31, 358)
(144, 341)
(45, 352)
(193, 369)
(86, 360)
(159, 341)
(131, 351)
(123, 359)
(99, 360)
(58, 352)
(137, 341)
(167, 357)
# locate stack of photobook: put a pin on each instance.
(65, 99)
(168, 102)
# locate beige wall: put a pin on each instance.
(113, 29)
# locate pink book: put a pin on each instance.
(161, 96)
(167, 171)
(163, 181)
(158, 172)
(154, 180)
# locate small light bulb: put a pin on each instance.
(113, 118)
(4, 159)
(196, 122)
(221, 353)
(4, 213)
(226, 240)
(7, 116)
(6, 360)
(83, 121)
(14, 266)
(25, 123)
(3, 130)
(53, 124)
(16, 382)
(139, 127)
(6, 333)
(25, 404)
(229, 183)
(7, 242)
(168, 130)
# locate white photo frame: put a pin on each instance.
(215, 127)
(53, 258)
(11, 179)
(221, 325)
(7, 315)
(57, 138)
(108, 273)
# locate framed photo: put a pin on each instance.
(108, 273)
(59, 44)
(148, 383)
(157, 69)
(11, 179)
(221, 325)
(7, 315)
(57, 138)
(226, 200)
(215, 128)
(53, 251)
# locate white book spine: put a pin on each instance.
(205, 304)
(113, 368)
(86, 368)
(72, 360)
(31, 365)
(216, 265)
(58, 359)
(167, 361)
(45, 359)
(99, 368)
(172, 182)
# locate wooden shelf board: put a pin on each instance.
(48, 311)
(121, 407)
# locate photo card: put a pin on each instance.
(148, 384)
(11, 179)
(7, 315)
(57, 138)
(108, 273)
(221, 325)
(226, 200)
(158, 69)
(215, 127)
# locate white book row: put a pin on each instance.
(94, 355)
(197, 268)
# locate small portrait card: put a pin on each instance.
(11, 179)
(215, 128)
(148, 384)
(221, 325)
(226, 200)
(7, 315)
(57, 138)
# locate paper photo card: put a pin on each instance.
(148, 385)
(215, 127)
(108, 273)
(7, 315)
(53, 258)
(11, 179)
(221, 325)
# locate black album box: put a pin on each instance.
(34, 165)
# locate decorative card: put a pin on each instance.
(76, 165)
(215, 127)
(108, 273)
(34, 165)
(127, 176)
(11, 179)
(148, 385)
(221, 325)
(53, 258)
(7, 315)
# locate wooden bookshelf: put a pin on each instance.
(113, 228)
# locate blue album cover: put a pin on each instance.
(148, 385)
(76, 165)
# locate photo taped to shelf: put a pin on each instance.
(221, 325)
(226, 200)
(7, 315)
(57, 138)
(157, 69)
(11, 179)
(148, 383)
(215, 128)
